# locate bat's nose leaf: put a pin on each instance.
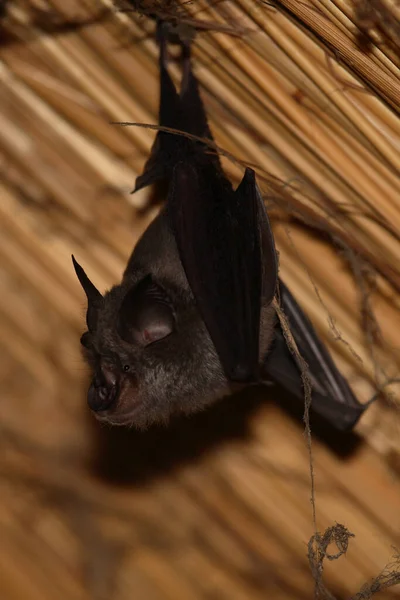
(108, 375)
(102, 397)
(104, 389)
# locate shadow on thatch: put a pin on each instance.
(128, 456)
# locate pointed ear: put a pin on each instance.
(95, 299)
(146, 314)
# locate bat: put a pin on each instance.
(193, 319)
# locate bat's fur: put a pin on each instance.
(180, 373)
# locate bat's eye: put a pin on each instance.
(146, 314)
(86, 339)
(126, 368)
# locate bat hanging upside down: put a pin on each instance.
(192, 319)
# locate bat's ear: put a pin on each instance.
(248, 192)
(146, 314)
(94, 298)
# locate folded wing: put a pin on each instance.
(332, 397)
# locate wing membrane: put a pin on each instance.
(332, 396)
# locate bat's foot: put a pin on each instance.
(167, 35)
(175, 32)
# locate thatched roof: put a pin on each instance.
(217, 506)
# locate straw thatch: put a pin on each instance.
(218, 506)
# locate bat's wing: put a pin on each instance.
(220, 241)
(223, 236)
(332, 397)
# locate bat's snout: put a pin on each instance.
(113, 395)
(101, 398)
(104, 389)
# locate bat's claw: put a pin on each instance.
(168, 33)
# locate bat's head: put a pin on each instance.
(148, 347)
